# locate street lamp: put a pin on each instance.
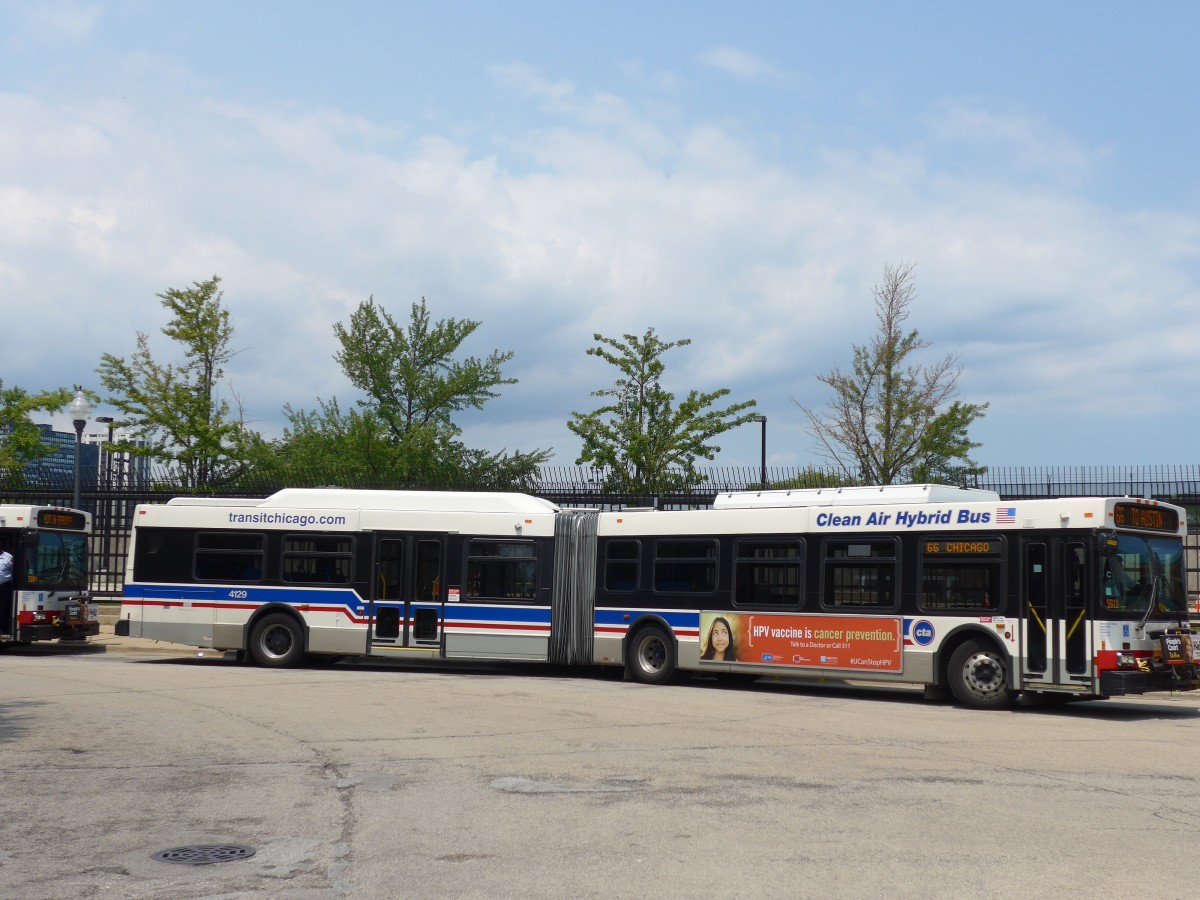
(763, 420)
(79, 411)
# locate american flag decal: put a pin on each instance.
(1006, 515)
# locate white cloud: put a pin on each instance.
(636, 71)
(746, 66)
(56, 24)
(1017, 140)
(600, 219)
(525, 79)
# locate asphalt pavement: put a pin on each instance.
(125, 758)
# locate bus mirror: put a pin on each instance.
(30, 538)
(1106, 542)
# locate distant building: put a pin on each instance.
(118, 471)
(98, 469)
(57, 468)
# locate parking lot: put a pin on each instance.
(385, 781)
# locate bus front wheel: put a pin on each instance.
(978, 676)
(652, 656)
(277, 641)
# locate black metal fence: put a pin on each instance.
(113, 509)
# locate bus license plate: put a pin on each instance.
(73, 611)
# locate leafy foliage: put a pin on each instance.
(174, 408)
(403, 428)
(811, 477)
(21, 439)
(410, 377)
(325, 446)
(891, 419)
(650, 443)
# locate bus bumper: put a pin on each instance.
(50, 632)
(1121, 684)
(1124, 683)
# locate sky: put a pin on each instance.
(739, 175)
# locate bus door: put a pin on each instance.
(408, 592)
(1056, 624)
(10, 543)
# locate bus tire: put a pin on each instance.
(277, 641)
(652, 656)
(978, 676)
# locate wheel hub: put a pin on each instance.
(984, 674)
(278, 641)
(653, 655)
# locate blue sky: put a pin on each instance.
(737, 176)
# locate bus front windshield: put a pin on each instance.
(1145, 569)
(60, 561)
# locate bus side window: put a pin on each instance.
(502, 570)
(621, 563)
(228, 556)
(860, 573)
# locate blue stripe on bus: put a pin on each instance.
(329, 599)
(325, 598)
(457, 612)
(678, 619)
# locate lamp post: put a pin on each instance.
(763, 420)
(79, 411)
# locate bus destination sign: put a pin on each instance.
(1145, 517)
(964, 547)
(61, 518)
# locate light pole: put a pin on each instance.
(79, 410)
(763, 420)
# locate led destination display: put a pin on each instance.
(58, 518)
(1145, 517)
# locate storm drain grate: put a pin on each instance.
(204, 854)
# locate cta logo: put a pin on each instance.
(923, 633)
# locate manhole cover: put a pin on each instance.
(203, 854)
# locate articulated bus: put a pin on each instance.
(954, 589)
(47, 597)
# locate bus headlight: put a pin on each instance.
(39, 616)
(1126, 660)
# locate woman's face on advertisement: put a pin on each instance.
(720, 637)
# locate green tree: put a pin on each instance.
(812, 477)
(175, 408)
(409, 375)
(403, 428)
(325, 446)
(21, 439)
(893, 419)
(647, 441)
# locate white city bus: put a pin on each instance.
(47, 598)
(951, 588)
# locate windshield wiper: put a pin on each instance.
(1153, 602)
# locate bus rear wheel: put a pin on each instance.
(978, 676)
(652, 656)
(277, 641)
